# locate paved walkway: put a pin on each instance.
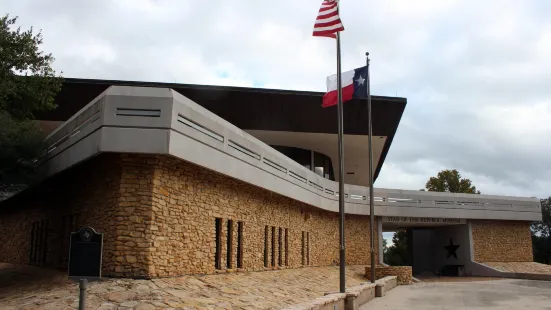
(24, 287)
(497, 294)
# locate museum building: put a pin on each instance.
(189, 179)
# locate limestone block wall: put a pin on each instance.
(403, 273)
(187, 199)
(88, 194)
(158, 216)
(133, 224)
(501, 241)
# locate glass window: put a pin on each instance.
(322, 163)
(301, 156)
(322, 166)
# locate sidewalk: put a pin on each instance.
(477, 295)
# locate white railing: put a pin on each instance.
(257, 153)
(192, 120)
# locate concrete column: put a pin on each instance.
(381, 238)
(409, 234)
(312, 161)
(471, 249)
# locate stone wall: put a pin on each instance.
(88, 194)
(502, 241)
(403, 273)
(134, 219)
(187, 199)
(158, 217)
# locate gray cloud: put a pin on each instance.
(476, 73)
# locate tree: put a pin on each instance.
(541, 234)
(450, 181)
(397, 253)
(28, 85)
(445, 181)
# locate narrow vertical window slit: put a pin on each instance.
(239, 244)
(266, 236)
(229, 251)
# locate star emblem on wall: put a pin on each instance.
(452, 248)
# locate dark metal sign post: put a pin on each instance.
(85, 254)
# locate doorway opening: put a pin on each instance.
(433, 248)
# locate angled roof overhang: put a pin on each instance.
(279, 117)
(161, 121)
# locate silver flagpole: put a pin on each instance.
(342, 256)
(370, 151)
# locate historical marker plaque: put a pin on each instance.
(85, 253)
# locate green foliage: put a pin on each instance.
(541, 234)
(397, 253)
(21, 141)
(543, 228)
(450, 181)
(28, 83)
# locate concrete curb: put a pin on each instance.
(359, 295)
(527, 276)
(479, 269)
(327, 302)
(354, 297)
(385, 284)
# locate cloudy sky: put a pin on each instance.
(477, 74)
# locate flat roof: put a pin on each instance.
(254, 108)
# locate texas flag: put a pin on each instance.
(354, 85)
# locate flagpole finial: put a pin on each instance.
(366, 54)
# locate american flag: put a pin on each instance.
(328, 21)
